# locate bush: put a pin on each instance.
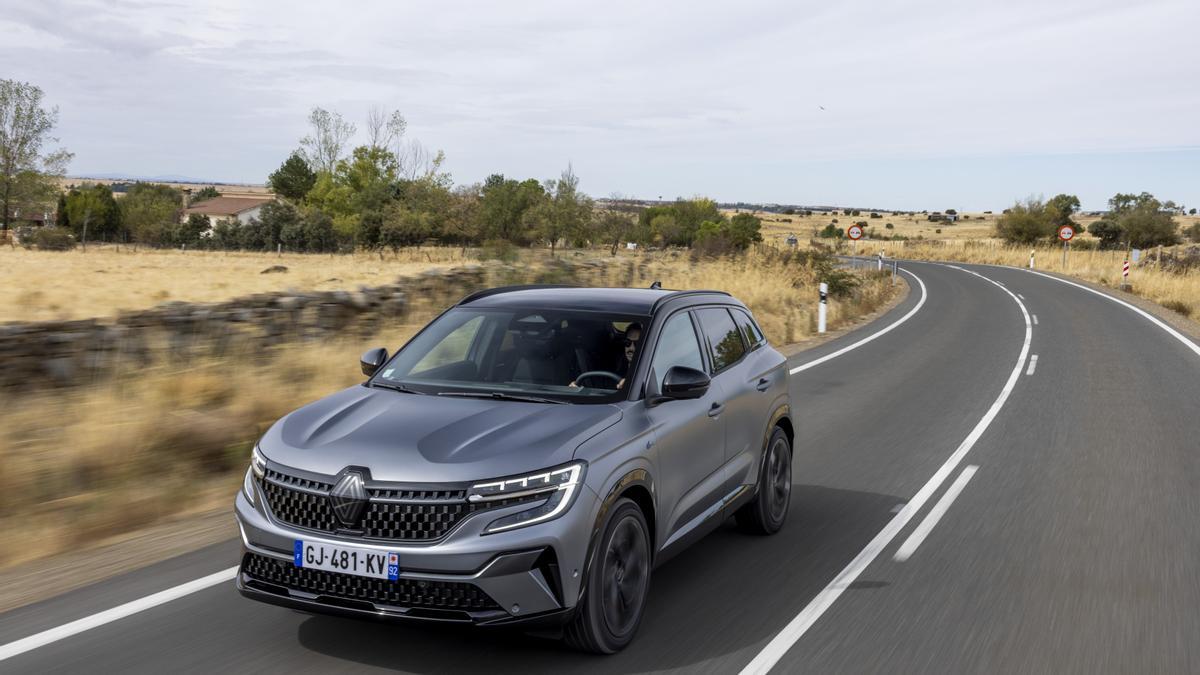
(498, 249)
(1178, 306)
(1193, 232)
(51, 238)
(938, 231)
(889, 226)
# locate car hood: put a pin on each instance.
(431, 439)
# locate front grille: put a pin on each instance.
(425, 516)
(406, 593)
(303, 509)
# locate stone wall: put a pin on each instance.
(71, 353)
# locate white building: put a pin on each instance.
(240, 208)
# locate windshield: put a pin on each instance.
(561, 355)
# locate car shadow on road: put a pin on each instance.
(711, 608)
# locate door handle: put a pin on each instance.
(716, 409)
(763, 384)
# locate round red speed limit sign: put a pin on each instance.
(1066, 233)
(854, 232)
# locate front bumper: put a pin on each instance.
(530, 574)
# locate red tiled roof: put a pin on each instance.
(227, 206)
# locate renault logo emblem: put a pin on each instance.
(348, 498)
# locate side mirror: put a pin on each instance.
(372, 359)
(682, 382)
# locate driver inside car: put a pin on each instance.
(633, 334)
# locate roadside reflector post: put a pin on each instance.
(1031, 260)
(1125, 276)
(821, 307)
(880, 268)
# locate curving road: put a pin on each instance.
(959, 507)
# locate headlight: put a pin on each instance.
(558, 485)
(258, 467)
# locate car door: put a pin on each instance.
(731, 372)
(761, 388)
(690, 439)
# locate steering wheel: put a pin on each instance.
(599, 373)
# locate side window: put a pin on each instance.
(677, 346)
(452, 349)
(724, 339)
(749, 329)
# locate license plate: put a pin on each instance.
(362, 562)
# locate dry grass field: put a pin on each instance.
(88, 465)
(103, 280)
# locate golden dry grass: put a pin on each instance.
(103, 280)
(101, 460)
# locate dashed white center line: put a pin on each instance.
(1032, 364)
(1035, 319)
(1020, 296)
(935, 514)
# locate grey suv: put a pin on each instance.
(527, 457)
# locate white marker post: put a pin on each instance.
(1031, 260)
(821, 308)
(880, 268)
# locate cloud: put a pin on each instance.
(658, 97)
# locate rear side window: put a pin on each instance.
(724, 339)
(749, 329)
(677, 346)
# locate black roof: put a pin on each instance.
(639, 301)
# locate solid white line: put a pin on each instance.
(856, 345)
(1020, 296)
(1032, 364)
(108, 616)
(1035, 319)
(935, 514)
(1150, 317)
(797, 627)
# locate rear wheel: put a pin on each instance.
(618, 582)
(767, 513)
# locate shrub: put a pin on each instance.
(1178, 306)
(938, 231)
(889, 226)
(52, 238)
(498, 249)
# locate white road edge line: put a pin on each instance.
(1150, 317)
(935, 514)
(798, 626)
(108, 616)
(1032, 364)
(856, 345)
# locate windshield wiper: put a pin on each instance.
(499, 396)
(395, 387)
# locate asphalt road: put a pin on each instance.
(1069, 503)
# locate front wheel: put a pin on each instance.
(618, 582)
(767, 513)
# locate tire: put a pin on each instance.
(618, 583)
(767, 513)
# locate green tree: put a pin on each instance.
(1109, 233)
(563, 214)
(150, 213)
(1025, 223)
(502, 207)
(744, 229)
(1061, 207)
(28, 174)
(191, 232)
(92, 213)
(1142, 220)
(293, 179)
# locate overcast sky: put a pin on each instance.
(933, 104)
